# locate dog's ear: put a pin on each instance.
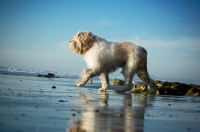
(79, 47)
(86, 40)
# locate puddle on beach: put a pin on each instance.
(31, 104)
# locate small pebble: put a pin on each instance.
(62, 101)
(53, 87)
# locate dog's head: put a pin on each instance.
(82, 42)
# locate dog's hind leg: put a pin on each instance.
(128, 73)
(144, 76)
(85, 76)
(105, 82)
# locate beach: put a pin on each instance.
(30, 103)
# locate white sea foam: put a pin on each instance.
(14, 71)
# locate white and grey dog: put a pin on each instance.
(103, 57)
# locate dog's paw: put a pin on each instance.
(102, 90)
(80, 83)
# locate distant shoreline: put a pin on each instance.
(23, 72)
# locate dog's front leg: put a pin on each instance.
(104, 81)
(85, 76)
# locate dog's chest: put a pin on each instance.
(98, 55)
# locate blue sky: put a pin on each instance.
(34, 34)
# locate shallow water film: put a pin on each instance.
(30, 104)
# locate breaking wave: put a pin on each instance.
(15, 71)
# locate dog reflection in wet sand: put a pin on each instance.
(103, 57)
(98, 116)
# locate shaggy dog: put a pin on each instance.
(103, 57)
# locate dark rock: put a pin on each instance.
(61, 101)
(117, 82)
(141, 88)
(164, 88)
(172, 88)
(49, 75)
(53, 87)
(193, 92)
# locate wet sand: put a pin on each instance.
(29, 104)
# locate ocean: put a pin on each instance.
(24, 72)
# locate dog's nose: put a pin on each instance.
(70, 41)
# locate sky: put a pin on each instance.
(35, 34)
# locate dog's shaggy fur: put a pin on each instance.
(103, 57)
